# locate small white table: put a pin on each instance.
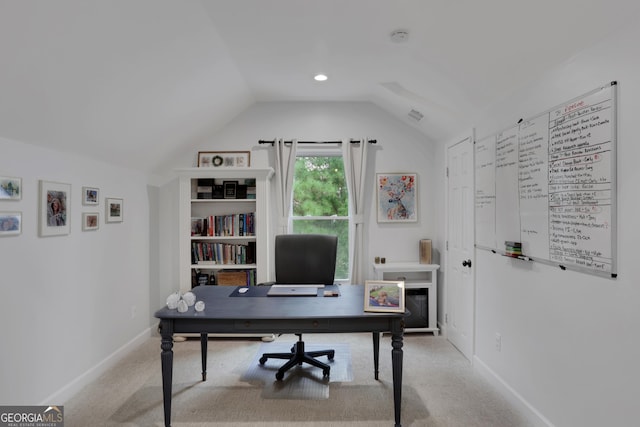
(415, 276)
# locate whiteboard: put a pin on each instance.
(549, 182)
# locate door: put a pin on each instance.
(460, 284)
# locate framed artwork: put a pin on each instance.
(90, 196)
(397, 199)
(90, 221)
(55, 199)
(114, 210)
(10, 188)
(10, 223)
(384, 296)
(230, 189)
(224, 159)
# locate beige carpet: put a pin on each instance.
(440, 389)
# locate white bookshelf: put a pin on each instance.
(415, 276)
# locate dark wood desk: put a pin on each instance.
(287, 315)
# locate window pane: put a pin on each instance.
(334, 227)
(319, 187)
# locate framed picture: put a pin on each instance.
(230, 189)
(114, 210)
(55, 200)
(397, 197)
(224, 159)
(10, 223)
(10, 188)
(90, 221)
(384, 296)
(90, 196)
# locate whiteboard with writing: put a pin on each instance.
(550, 183)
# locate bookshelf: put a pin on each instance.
(223, 225)
(417, 278)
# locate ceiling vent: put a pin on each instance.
(399, 36)
(416, 115)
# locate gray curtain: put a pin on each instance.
(355, 160)
(285, 157)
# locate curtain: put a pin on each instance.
(285, 157)
(354, 156)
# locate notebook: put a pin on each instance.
(293, 291)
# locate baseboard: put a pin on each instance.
(69, 390)
(531, 413)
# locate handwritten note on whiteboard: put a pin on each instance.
(553, 185)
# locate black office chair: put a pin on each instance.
(304, 259)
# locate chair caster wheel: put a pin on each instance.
(279, 376)
(325, 373)
(331, 355)
(263, 360)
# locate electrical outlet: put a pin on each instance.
(134, 311)
(498, 342)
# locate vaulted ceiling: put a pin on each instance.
(135, 82)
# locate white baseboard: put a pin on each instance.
(531, 413)
(69, 390)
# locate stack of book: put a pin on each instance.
(513, 249)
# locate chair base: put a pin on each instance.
(297, 357)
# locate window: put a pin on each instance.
(321, 203)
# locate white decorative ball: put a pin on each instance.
(190, 298)
(182, 306)
(172, 300)
(200, 306)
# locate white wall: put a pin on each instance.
(569, 340)
(67, 300)
(399, 148)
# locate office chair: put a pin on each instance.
(304, 259)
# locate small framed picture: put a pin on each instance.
(10, 188)
(90, 196)
(230, 189)
(90, 221)
(113, 210)
(55, 200)
(224, 159)
(397, 197)
(10, 223)
(384, 296)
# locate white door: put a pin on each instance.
(460, 282)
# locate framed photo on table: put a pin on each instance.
(113, 209)
(224, 159)
(397, 197)
(55, 200)
(384, 296)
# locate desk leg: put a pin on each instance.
(396, 361)
(204, 340)
(376, 353)
(166, 331)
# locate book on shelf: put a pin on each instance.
(217, 253)
(237, 225)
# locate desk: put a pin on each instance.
(286, 315)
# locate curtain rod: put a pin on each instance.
(353, 141)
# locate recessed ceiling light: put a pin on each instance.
(399, 36)
(320, 77)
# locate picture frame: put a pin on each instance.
(230, 189)
(10, 188)
(90, 221)
(397, 197)
(90, 196)
(114, 209)
(54, 209)
(224, 159)
(384, 296)
(10, 223)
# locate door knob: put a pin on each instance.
(466, 263)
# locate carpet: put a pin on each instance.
(302, 381)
